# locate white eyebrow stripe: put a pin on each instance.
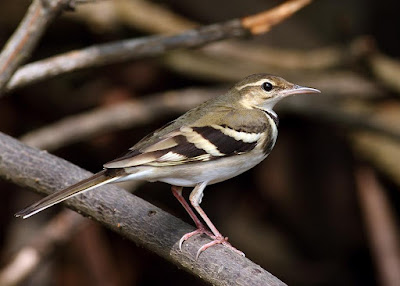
(251, 84)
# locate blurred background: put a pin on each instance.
(322, 209)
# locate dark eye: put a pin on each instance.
(267, 86)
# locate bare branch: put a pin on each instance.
(232, 60)
(129, 216)
(162, 20)
(381, 227)
(149, 46)
(262, 22)
(21, 44)
(120, 51)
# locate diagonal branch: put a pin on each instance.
(129, 216)
(120, 51)
(21, 44)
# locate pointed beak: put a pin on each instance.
(297, 89)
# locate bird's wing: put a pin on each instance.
(187, 144)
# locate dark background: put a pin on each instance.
(297, 214)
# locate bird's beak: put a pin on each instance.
(297, 89)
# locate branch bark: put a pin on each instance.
(21, 44)
(129, 216)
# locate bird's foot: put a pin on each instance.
(200, 230)
(215, 240)
(218, 240)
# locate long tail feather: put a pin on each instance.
(94, 181)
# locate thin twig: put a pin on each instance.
(150, 46)
(129, 216)
(21, 44)
(232, 60)
(120, 51)
(162, 20)
(381, 227)
(262, 22)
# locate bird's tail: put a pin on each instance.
(94, 181)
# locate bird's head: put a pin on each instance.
(263, 91)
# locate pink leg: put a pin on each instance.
(201, 228)
(195, 199)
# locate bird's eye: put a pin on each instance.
(267, 86)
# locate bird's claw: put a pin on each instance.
(215, 240)
(190, 234)
(218, 240)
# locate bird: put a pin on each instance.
(213, 142)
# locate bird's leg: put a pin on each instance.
(195, 199)
(177, 192)
(201, 228)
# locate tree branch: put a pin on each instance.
(21, 44)
(115, 52)
(129, 216)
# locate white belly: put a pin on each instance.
(212, 172)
